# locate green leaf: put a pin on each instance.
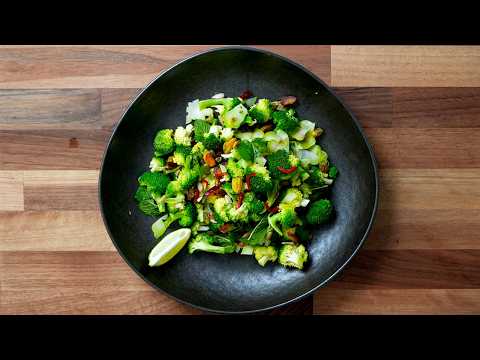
(259, 233)
(149, 207)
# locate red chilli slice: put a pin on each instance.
(287, 171)
(240, 199)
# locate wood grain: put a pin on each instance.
(412, 269)
(53, 231)
(77, 282)
(50, 67)
(11, 190)
(430, 189)
(420, 110)
(413, 107)
(407, 228)
(425, 148)
(52, 149)
(397, 302)
(61, 190)
(426, 66)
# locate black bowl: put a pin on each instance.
(236, 283)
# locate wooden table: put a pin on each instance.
(420, 107)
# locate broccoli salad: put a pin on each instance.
(246, 175)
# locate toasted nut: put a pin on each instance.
(288, 100)
(237, 185)
(324, 168)
(246, 94)
(209, 159)
(317, 132)
(267, 127)
(229, 145)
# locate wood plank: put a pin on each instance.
(37, 67)
(114, 104)
(425, 148)
(430, 189)
(88, 283)
(400, 302)
(425, 229)
(436, 107)
(411, 269)
(11, 191)
(52, 149)
(44, 109)
(89, 302)
(79, 283)
(372, 106)
(61, 189)
(53, 231)
(426, 66)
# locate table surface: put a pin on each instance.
(419, 106)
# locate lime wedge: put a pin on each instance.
(168, 247)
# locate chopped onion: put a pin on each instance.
(203, 228)
(227, 199)
(218, 96)
(304, 202)
(223, 168)
(226, 156)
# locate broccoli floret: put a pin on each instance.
(215, 226)
(234, 117)
(277, 140)
(293, 255)
(149, 207)
(255, 206)
(234, 169)
(282, 220)
(333, 172)
(190, 173)
(173, 188)
(180, 154)
(189, 214)
(200, 128)
(260, 184)
(304, 127)
(259, 147)
(208, 243)
(222, 209)
(263, 254)
(227, 103)
(245, 150)
(157, 164)
(285, 120)
(212, 142)
(319, 178)
(185, 218)
(163, 142)
(238, 214)
(261, 111)
(142, 194)
(182, 135)
(198, 150)
(175, 204)
(319, 212)
(154, 181)
(279, 160)
(160, 201)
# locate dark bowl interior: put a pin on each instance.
(236, 283)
